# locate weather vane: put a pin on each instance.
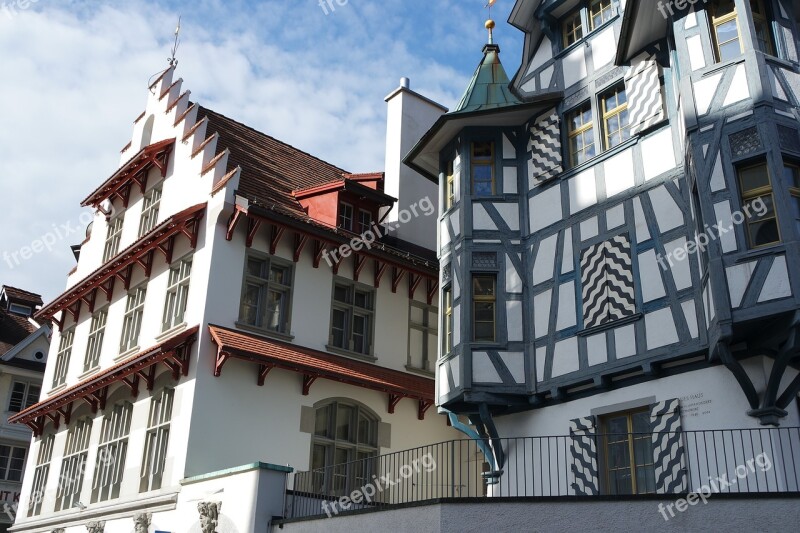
(490, 23)
(172, 61)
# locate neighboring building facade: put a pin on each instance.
(24, 344)
(575, 298)
(224, 320)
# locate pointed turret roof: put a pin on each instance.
(489, 86)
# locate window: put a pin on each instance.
(343, 433)
(615, 116)
(94, 346)
(791, 175)
(581, 135)
(600, 11)
(352, 318)
(73, 465)
(156, 441)
(447, 338)
(364, 221)
(23, 395)
(132, 324)
(607, 282)
(756, 187)
(20, 309)
(40, 474)
(345, 216)
(62, 357)
(12, 462)
(449, 187)
(113, 238)
(177, 294)
(266, 295)
(482, 169)
(573, 29)
(152, 201)
(628, 453)
(726, 30)
(111, 453)
(484, 304)
(422, 335)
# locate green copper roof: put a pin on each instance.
(488, 88)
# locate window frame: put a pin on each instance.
(351, 310)
(794, 187)
(6, 464)
(26, 395)
(603, 10)
(133, 315)
(41, 472)
(73, 464)
(342, 218)
(447, 320)
(615, 112)
(19, 309)
(449, 186)
(94, 343)
(267, 285)
(176, 298)
(717, 21)
(63, 356)
(428, 327)
(759, 192)
(113, 237)
(475, 162)
(154, 453)
(150, 210)
(576, 31)
(484, 299)
(584, 128)
(631, 438)
(112, 451)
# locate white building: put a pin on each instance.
(24, 344)
(224, 321)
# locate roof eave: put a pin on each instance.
(634, 12)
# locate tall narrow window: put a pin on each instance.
(482, 169)
(573, 29)
(364, 221)
(156, 441)
(177, 294)
(113, 238)
(63, 357)
(40, 474)
(484, 307)
(150, 206)
(70, 481)
(266, 294)
(111, 453)
(581, 135)
(600, 11)
(763, 29)
(132, 323)
(447, 338)
(422, 335)
(628, 457)
(345, 438)
(726, 30)
(756, 190)
(449, 187)
(352, 318)
(345, 216)
(615, 116)
(23, 395)
(94, 346)
(12, 462)
(791, 175)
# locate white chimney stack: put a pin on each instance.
(410, 116)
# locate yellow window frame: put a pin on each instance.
(572, 29)
(449, 187)
(605, 5)
(632, 466)
(717, 21)
(447, 297)
(474, 160)
(573, 133)
(761, 16)
(608, 114)
(794, 191)
(485, 298)
(766, 190)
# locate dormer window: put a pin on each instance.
(18, 309)
(482, 169)
(575, 27)
(345, 216)
(364, 220)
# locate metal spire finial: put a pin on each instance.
(172, 61)
(490, 23)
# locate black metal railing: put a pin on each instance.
(624, 465)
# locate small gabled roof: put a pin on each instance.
(489, 86)
(19, 295)
(642, 24)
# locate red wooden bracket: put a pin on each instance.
(191, 228)
(380, 269)
(146, 263)
(167, 248)
(92, 403)
(397, 276)
(75, 310)
(253, 224)
(360, 263)
(394, 399)
(424, 405)
(125, 276)
(277, 234)
(433, 286)
(37, 426)
(66, 412)
(222, 358)
(299, 243)
(108, 287)
(413, 284)
(99, 398)
(148, 375)
(178, 363)
(140, 178)
(319, 249)
(133, 384)
(308, 380)
(60, 321)
(89, 299)
(55, 418)
(263, 370)
(232, 222)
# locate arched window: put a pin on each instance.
(147, 132)
(345, 438)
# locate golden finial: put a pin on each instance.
(490, 23)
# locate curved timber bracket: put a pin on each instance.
(488, 440)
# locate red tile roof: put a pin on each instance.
(24, 296)
(13, 330)
(320, 364)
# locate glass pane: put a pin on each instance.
(765, 206)
(484, 331)
(641, 422)
(481, 173)
(482, 189)
(366, 431)
(363, 300)
(645, 480)
(482, 150)
(617, 428)
(344, 419)
(339, 328)
(620, 482)
(484, 311)
(256, 267)
(483, 285)
(341, 294)
(275, 310)
(321, 421)
(619, 454)
(730, 50)
(752, 178)
(643, 451)
(763, 233)
(791, 175)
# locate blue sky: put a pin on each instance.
(75, 76)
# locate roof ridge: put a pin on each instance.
(226, 117)
(21, 290)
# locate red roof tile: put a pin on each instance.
(24, 296)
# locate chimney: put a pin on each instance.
(410, 116)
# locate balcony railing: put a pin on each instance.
(620, 465)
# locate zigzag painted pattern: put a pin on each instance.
(544, 148)
(584, 454)
(607, 282)
(668, 458)
(644, 96)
